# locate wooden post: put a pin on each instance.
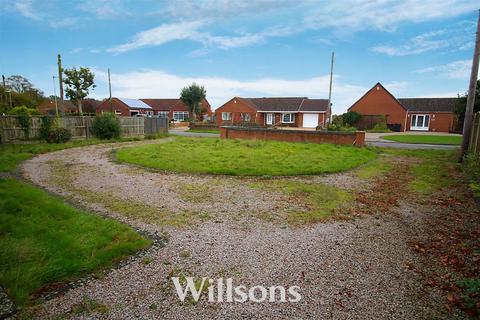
(330, 89)
(60, 78)
(467, 124)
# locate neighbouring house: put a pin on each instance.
(177, 110)
(125, 107)
(408, 114)
(48, 107)
(299, 112)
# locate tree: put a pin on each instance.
(192, 96)
(351, 118)
(78, 82)
(18, 84)
(461, 105)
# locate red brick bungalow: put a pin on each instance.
(404, 114)
(299, 112)
(125, 107)
(176, 109)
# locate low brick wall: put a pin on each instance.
(349, 138)
(179, 124)
(203, 126)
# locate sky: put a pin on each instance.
(255, 48)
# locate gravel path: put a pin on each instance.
(359, 269)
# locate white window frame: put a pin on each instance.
(272, 119)
(162, 114)
(246, 117)
(180, 115)
(149, 113)
(134, 113)
(425, 123)
(226, 116)
(291, 117)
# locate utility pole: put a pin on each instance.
(110, 91)
(4, 95)
(467, 123)
(55, 96)
(330, 88)
(60, 77)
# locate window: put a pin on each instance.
(420, 122)
(245, 117)
(133, 113)
(226, 116)
(149, 113)
(180, 115)
(162, 114)
(288, 118)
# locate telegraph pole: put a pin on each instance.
(110, 91)
(330, 88)
(55, 96)
(467, 123)
(60, 77)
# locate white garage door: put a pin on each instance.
(310, 120)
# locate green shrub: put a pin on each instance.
(351, 118)
(471, 168)
(379, 127)
(106, 126)
(334, 127)
(23, 110)
(46, 127)
(59, 135)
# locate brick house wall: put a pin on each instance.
(439, 121)
(119, 108)
(347, 138)
(236, 107)
(378, 101)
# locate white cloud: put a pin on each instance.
(26, 9)
(459, 69)
(457, 37)
(104, 9)
(343, 17)
(159, 84)
(355, 15)
(190, 31)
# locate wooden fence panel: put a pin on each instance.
(80, 127)
(132, 126)
(156, 125)
(474, 145)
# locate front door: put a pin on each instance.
(269, 120)
(420, 122)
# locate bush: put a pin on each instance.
(46, 127)
(471, 168)
(334, 127)
(59, 135)
(351, 118)
(380, 127)
(23, 111)
(106, 126)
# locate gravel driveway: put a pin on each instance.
(356, 269)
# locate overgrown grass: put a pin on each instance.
(421, 138)
(321, 201)
(374, 168)
(12, 154)
(246, 157)
(45, 241)
(433, 168)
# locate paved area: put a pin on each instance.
(357, 269)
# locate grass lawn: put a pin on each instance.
(12, 154)
(44, 241)
(246, 157)
(428, 139)
(205, 131)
